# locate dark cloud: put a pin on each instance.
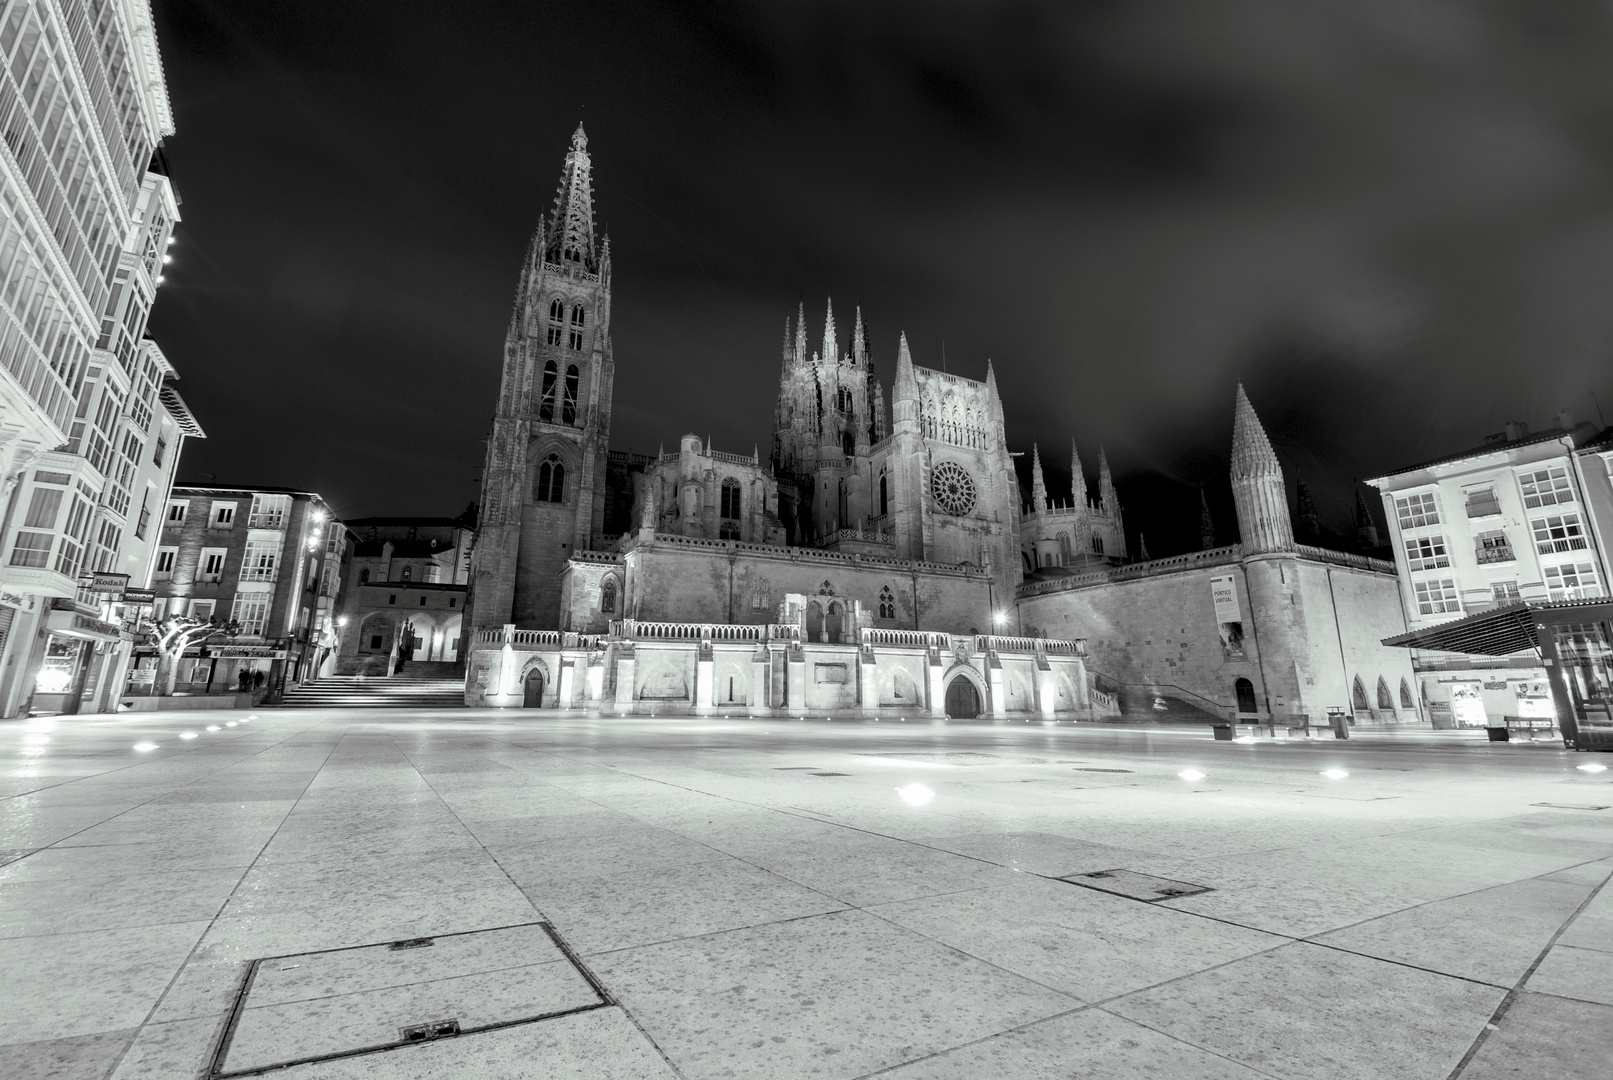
(1393, 220)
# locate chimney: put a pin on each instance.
(1516, 429)
(1564, 420)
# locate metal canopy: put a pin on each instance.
(1501, 632)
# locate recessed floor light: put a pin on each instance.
(229, 723)
(1191, 775)
(1334, 774)
(1593, 767)
(144, 746)
(915, 794)
(212, 727)
(187, 734)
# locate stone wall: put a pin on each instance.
(1309, 628)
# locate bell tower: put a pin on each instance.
(543, 486)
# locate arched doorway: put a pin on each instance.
(533, 698)
(814, 621)
(832, 623)
(1246, 696)
(963, 700)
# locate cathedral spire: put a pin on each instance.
(571, 223)
(994, 401)
(859, 342)
(1257, 484)
(1038, 485)
(800, 335)
(1366, 529)
(831, 348)
(1078, 479)
(1106, 483)
(1206, 523)
(1308, 523)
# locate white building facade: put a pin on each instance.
(1512, 520)
(91, 427)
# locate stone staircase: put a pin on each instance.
(420, 685)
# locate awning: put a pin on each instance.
(1501, 631)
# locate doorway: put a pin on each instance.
(533, 698)
(1246, 696)
(963, 700)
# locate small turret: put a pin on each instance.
(905, 393)
(1366, 529)
(1106, 484)
(831, 347)
(1307, 523)
(859, 343)
(1206, 523)
(1142, 548)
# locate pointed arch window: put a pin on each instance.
(1406, 701)
(551, 480)
(408, 573)
(1385, 702)
(579, 319)
(848, 445)
(1097, 545)
(546, 402)
(568, 410)
(1358, 695)
(607, 597)
(887, 603)
(884, 495)
(557, 321)
(731, 498)
(843, 400)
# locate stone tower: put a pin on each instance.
(831, 411)
(543, 485)
(1257, 485)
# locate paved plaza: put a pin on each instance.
(704, 898)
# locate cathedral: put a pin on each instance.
(881, 560)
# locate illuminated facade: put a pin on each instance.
(404, 593)
(90, 426)
(268, 559)
(1522, 517)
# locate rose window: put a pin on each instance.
(953, 489)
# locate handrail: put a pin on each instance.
(1214, 706)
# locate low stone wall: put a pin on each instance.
(884, 675)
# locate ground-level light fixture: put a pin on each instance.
(1592, 767)
(915, 794)
(1334, 774)
(212, 727)
(144, 746)
(187, 734)
(1192, 776)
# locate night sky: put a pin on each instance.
(1392, 219)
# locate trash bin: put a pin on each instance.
(1341, 725)
(1499, 734)
(1223, 732)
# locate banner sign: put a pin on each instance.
(1228, 616)
(96, 626)
(139, 596)
(1225, 593)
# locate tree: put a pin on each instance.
(172, 635)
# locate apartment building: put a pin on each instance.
(1521, 518)
(268, 559)
(91, 425)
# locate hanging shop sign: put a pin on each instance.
(112, 584)
(11, 599)
(139, 596)
(252, 652)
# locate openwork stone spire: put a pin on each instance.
(1206, 523)
(1038, 484)
(1078, 478)
(831, 347)
(1257, 484)
(571, 224)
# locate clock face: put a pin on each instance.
(953, 490)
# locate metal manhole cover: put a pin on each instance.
(1136, 886)
(338, 1003)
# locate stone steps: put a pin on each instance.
(419, 691)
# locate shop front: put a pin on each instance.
(81, 654)
(1573, 640)
(207, 670)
